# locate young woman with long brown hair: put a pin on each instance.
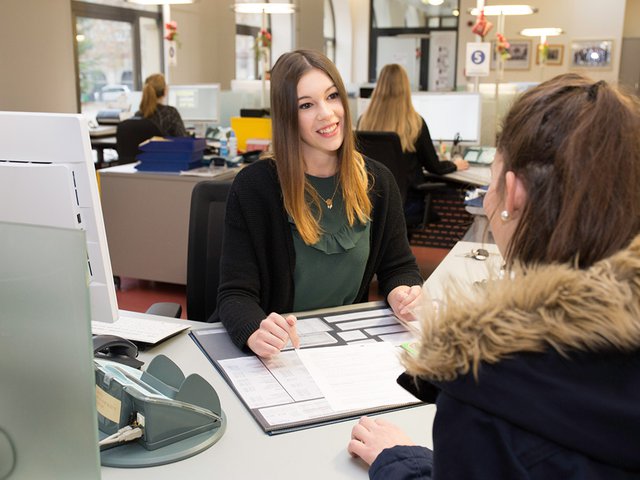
(391, 110)
(311, 224)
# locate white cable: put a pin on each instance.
(125, 434)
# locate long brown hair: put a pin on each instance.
(154, 89)
(287, 149)
(575, 144)
(391, 109)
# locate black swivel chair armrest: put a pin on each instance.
(165, 309)
(430, 186)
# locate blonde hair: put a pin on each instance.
(154, 88)
(287, 148)
(391, 109)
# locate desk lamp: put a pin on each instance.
(264, 9)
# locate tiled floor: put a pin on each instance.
(138, 295)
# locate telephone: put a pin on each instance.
(117, 349)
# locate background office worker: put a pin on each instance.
(165, 117)
(539, 377)
(391, 110)
(310, 225)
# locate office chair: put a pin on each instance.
(129, 134)
(206, 219)
(386, 148)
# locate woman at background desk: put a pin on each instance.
(538, 377)
(165, 117)
(310, 225)
(391, 110)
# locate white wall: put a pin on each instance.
(207, 35)
(36, 55)
(580, 19)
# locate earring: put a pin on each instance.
(504, 216)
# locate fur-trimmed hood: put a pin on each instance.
(567, 309)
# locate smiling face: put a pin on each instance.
(320, 117)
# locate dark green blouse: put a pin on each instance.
(329, 273)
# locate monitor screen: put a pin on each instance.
(196, 103)
(450, 114)
(447, 114)
(52, 182)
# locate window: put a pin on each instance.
(117, 46)
(248, 27)
(329, 31)
(407, 32)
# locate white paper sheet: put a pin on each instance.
(357, 377)
(367, 323)
(289, 370)
(254, 382)
(356, 315)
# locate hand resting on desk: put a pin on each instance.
(404, 300)
(370, 436)
(273, 334)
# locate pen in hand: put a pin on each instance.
(293, 332)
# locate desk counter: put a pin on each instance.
(146, 216)
(246, 452)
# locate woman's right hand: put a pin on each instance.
(461, 163)
(273, 334)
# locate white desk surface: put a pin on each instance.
(246, 452)
(478, 175)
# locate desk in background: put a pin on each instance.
(245, 451)
(146, 216)
(99, 144)
(477, 175)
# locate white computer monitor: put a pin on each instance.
(47, 177)
(196, 103)
(447, 114)
(450, 114)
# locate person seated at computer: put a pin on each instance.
(308, 226)
(537, 376)
(165, 117)
(391, 110)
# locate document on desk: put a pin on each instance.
(347, 366)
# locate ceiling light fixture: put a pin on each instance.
(161, 2)
(270, 8)
(505, 10)
(435, 3)
(541, 32)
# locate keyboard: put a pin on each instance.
(102, 131)
(139, 329)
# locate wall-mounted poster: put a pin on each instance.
(554, 55)
(591, 53)
(442, 65)
(520, 58)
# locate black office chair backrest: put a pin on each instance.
(385, 147)
(130, 133)
(206, 221)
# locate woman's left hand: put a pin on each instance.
(404, 300)
(369, 437)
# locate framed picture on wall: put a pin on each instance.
(520, 59)
(595, 54)
(555, 55)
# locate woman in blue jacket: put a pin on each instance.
(538, 376)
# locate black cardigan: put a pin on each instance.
(258, 255)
